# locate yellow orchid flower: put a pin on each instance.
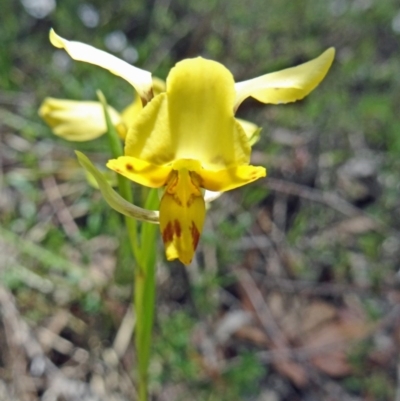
(187, 139)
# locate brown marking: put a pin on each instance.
(178, 228)
(129, 167)
(195, 235)
(255, 175)
(172, 182)
(191, 199)
(168, 233)
(176, 199)
(196, 179)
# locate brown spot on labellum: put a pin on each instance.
(129, 167)
(254, 175)
(178, 228)
(195, 235)
(168, 233)
(176, 199)
(197, 181)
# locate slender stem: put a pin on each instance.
(131, 224)
(145, 255)
(144, 295)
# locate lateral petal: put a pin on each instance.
(140, 171)
(149, 137)
(138, 78)
(287, 85)
(129, 115)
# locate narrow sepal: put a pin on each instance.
(287, 85)
(140, 79)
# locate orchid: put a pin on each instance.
(187, 140)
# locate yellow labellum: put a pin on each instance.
(182, 213)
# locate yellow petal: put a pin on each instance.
(76, 120)
(182, 212)
(115, 200)
(140, 171)
(130, 113)
(234, 177)
(128, 116)
(149, 138)
(138, 78)
(287, 85)
(251, 130)
(192, 120)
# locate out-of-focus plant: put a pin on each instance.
(183, 138)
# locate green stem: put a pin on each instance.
(144, 295)
(145, 256)
(131, 224)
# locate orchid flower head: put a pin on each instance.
(187, 140)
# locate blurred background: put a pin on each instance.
(294, 293)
